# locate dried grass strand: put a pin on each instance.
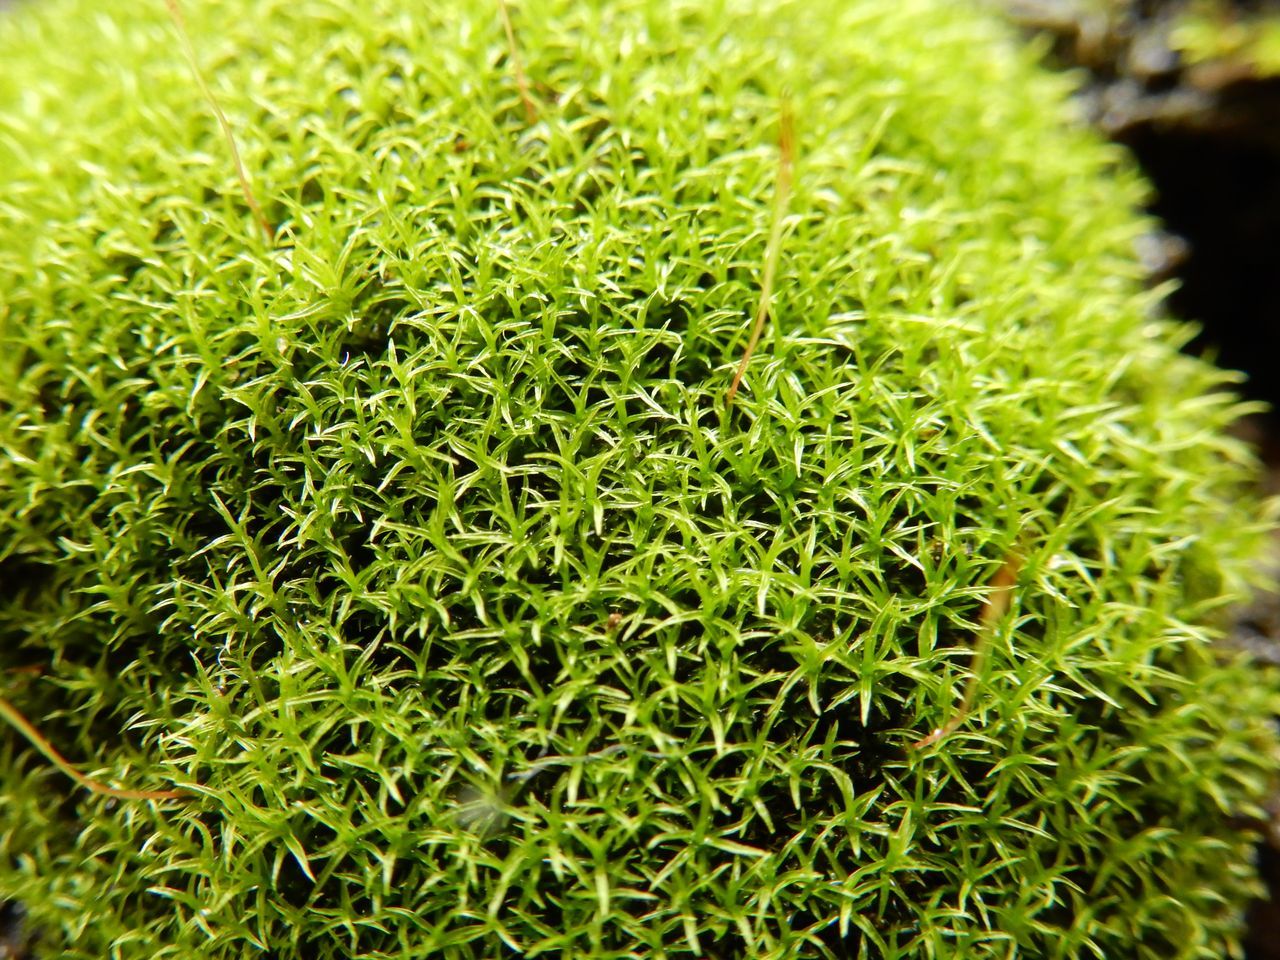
(996, 606)
(15, 719)
(246, 187)
(517, 64)
(781, 199)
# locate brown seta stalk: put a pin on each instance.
(517, 65)
(15, 719)
(781, 198)
(997, 606)
(184, 37)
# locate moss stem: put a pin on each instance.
(997, 606)
(781, 197)
(517, 65)
(184, 37)
(20, 723)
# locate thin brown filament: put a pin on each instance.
(10, 713)
(189, 51)
(781, 198)
(517, 65)
(997, 606)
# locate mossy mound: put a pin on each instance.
(421, 544)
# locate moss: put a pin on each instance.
(1242, 45)
(420, 544)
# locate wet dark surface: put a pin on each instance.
(13, 933)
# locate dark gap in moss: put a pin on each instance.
(16, 939)
(311, 191)
(367, 337)
(587, 195)
(123, 265)
(829, 938)
(380, 301)
(165, 234)
(359, 549)
(26, 576)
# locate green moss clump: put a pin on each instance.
(420, 545)
(1212, 33)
